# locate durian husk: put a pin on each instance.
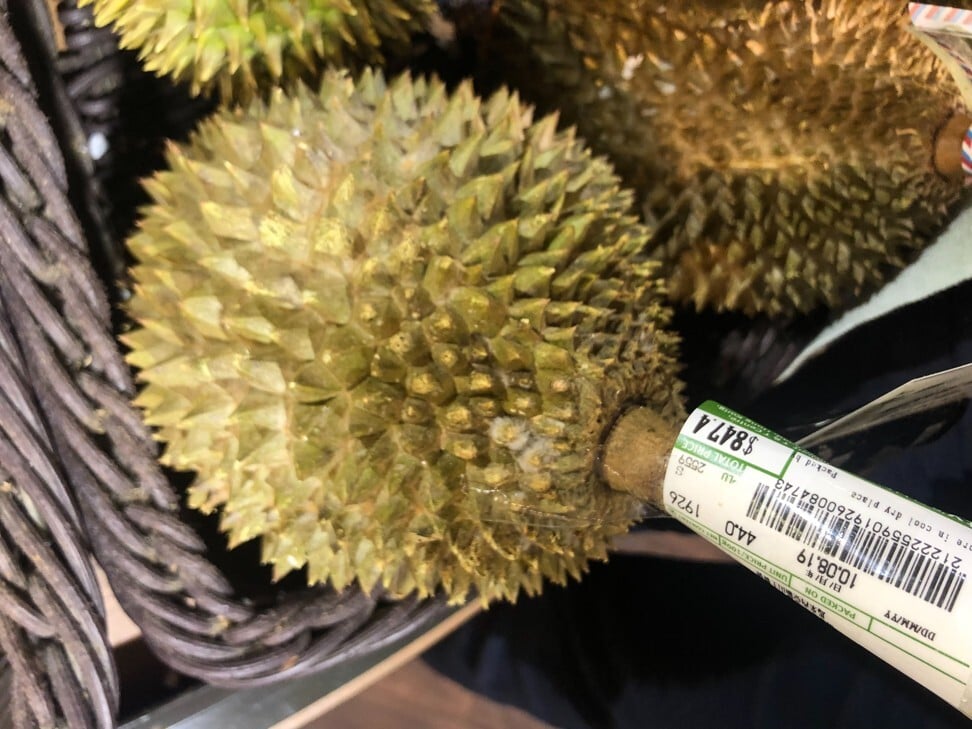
(783, 149)
(238, 48)
(388, 327)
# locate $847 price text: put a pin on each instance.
(725, 435)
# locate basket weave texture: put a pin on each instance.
(79, 477)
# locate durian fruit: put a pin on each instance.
(239, 46)
(388, 327)
(783, 148)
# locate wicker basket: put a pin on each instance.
(80, 480)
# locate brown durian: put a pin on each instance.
(388, 327)
(241, 46)
(782, 149)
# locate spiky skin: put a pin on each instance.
(388, 328)
(783, 148)
(239, 46)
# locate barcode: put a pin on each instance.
(857, 545)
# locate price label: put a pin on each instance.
(884, 570)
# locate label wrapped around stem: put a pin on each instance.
(885, 570)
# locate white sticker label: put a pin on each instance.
(886, 571)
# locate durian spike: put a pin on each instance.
(389, 327)
(244, 47)
(784, 149)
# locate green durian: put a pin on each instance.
(783, 150)
(388, 327)
(239, 46)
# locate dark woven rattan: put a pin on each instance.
(77, 464)
(52, 629)
(94, 72)
(121, 115)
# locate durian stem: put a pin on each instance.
(948, 146)
(635, 455)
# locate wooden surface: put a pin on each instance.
(121, 629)
(669, 545)
(417, 697)
(310, 715)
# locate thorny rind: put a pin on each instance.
(388, 327)
(242, 47)
(783, 149)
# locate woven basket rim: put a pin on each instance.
(111, 496)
